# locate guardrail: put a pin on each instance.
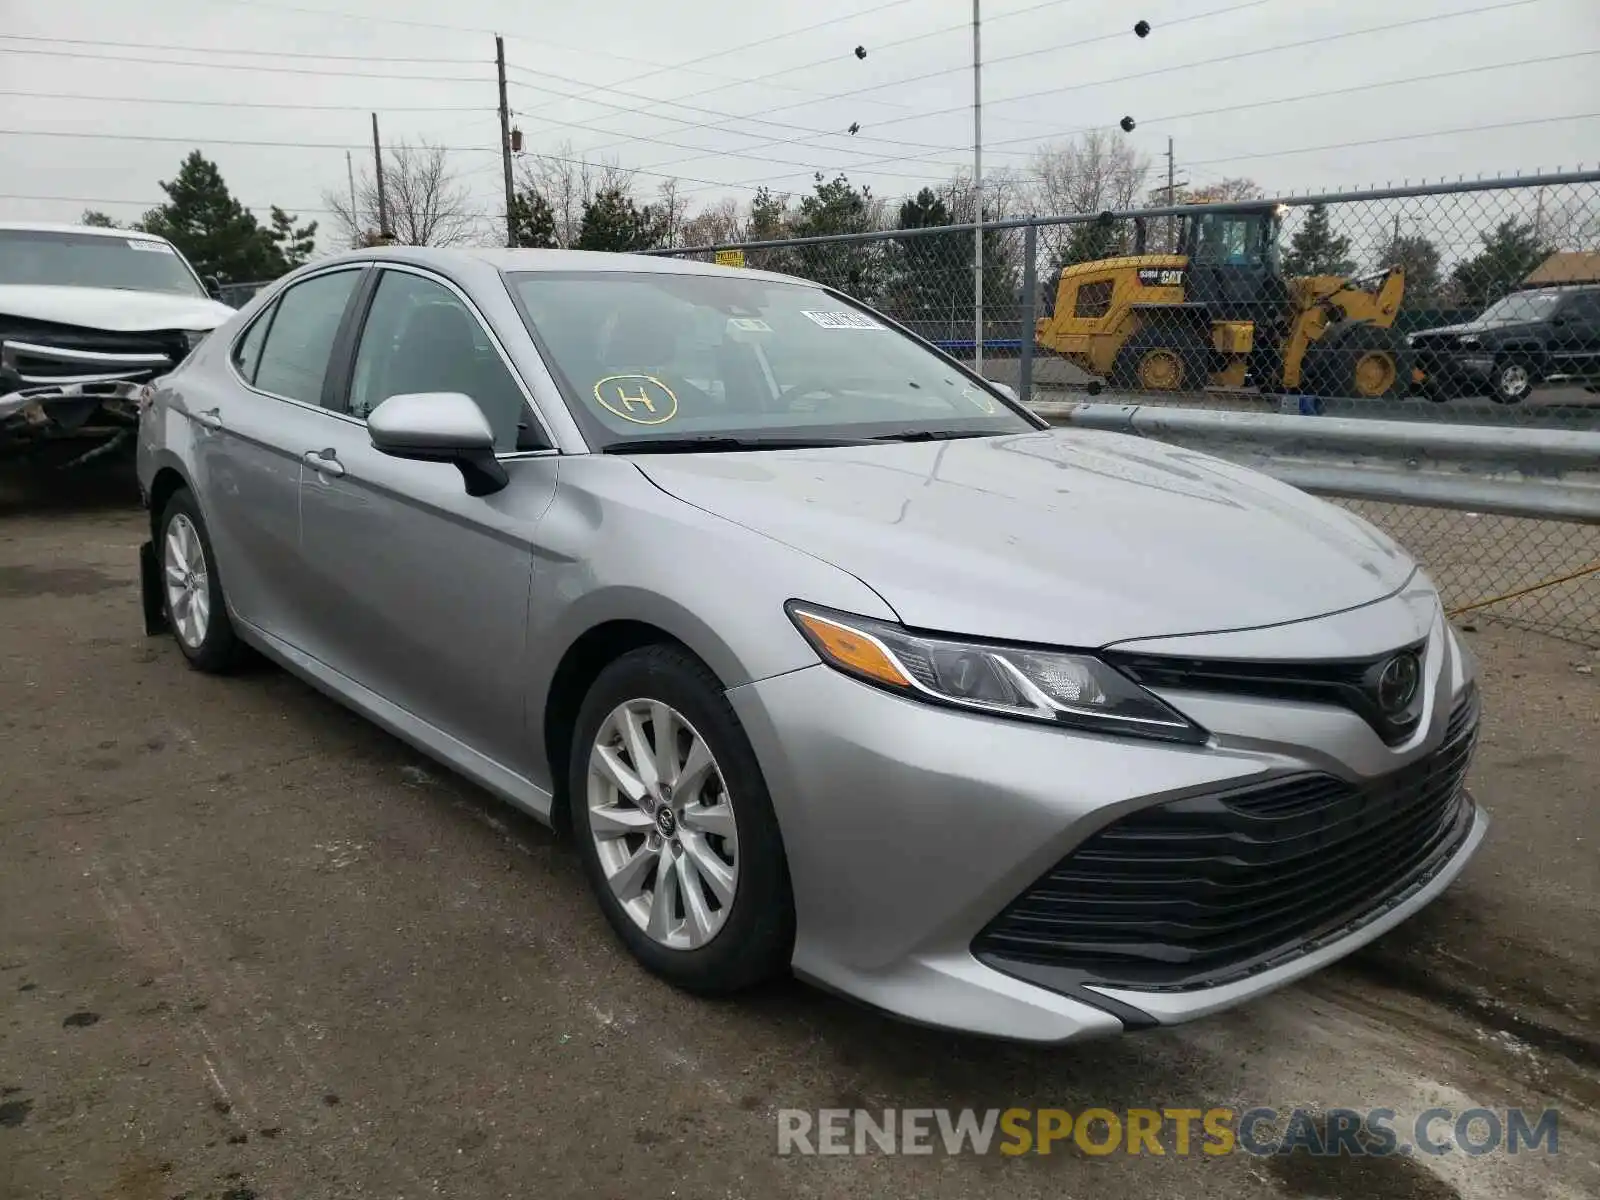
(1549, 474)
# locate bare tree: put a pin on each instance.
(568, 184)
(715, 224)
(672, 207)
(1005, 194)
(427, 203)
(1095, 172)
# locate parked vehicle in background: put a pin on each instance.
(1533, 336)
(835, 657)
(88, 316)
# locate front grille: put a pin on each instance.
(37, 353)
(1195, 892)
(1348, 683)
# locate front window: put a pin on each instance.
(668, 356)
(58, 258)
(1521, 306)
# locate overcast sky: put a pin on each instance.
(766, 99)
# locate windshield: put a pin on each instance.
(1236, 239)
(63, 259)
(1521, 306)
(670, 357)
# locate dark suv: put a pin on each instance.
(1541, 335)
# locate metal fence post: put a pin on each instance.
(1030, 299)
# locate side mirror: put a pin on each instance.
(443, 427)
(1006, 390)
(213, 287)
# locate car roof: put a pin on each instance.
(91, 230)
(505, 259)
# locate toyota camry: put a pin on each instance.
(832, 657)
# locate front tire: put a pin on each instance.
(675, 827)
(191, 590)
(1512, 381)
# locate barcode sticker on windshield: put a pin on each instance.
(843, 320)
(158, 247)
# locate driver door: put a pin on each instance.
(425, 588)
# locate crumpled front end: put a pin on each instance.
(69, 396)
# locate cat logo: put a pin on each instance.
(642, 399)
(1160, 276)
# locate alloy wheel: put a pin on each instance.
(1514, 381)
(188, 582)
(663, 824)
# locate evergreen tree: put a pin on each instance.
(533, 223)
(611, 221)
(1510, 251)
(834, 206)
(97, 220)
(295, 244)
(216, 233)
(1315, 250)
(1420, 258)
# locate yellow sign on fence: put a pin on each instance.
(730, 258)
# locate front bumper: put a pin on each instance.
(908, 828)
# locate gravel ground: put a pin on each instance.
(252, 947)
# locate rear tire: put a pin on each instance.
(700, 895)
(191, 589)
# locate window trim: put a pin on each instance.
(358, 328)
(270, 314)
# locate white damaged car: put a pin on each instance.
(88, 316)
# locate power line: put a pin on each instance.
(293, 209)
(1322, 95)
(388, 108)
(213, 66)
(1402, 137)
(17, 37)
(963, 68)
(963, 26)
(763, 41)
(216, 141)
(1218, 59)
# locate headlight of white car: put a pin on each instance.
(1035, 684)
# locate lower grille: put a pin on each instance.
(1195, 892)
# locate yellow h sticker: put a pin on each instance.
(642, 399)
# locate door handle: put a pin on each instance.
(324, 461)
(211, 418)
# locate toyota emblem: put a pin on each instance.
(1398, 683)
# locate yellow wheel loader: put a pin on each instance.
(1220, 313)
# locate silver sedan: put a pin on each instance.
(833, 657)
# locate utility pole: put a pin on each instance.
(1172, 193)
(377, 167)
(355, 217)
(977, 187)
(505, 138)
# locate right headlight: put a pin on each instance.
(1054, 687)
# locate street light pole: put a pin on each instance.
(977, 186)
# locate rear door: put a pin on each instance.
(423, 589)
(248, 441)
(1575, 340)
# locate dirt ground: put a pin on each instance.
(252, 947)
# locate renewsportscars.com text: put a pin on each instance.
(1375, 1132)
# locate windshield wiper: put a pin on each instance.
(932, 435)
(710, 443)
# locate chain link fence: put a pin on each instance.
(1472, 302)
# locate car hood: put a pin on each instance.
(113, 309)
(1064, 537)
(1512, 327)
